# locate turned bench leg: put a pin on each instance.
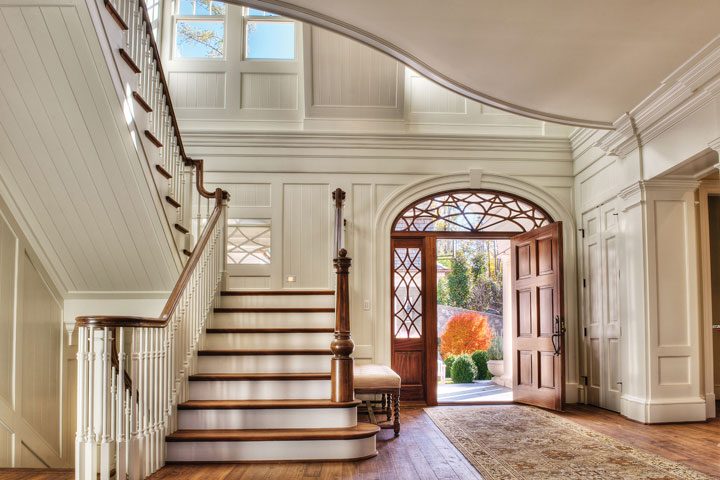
(396, 413)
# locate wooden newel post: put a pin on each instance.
(341, 365)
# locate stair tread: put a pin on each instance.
(264, 404)
(250, 293)
(264, 352)
(271, 330)
(361, 430)
(258, 376)
(274, 309)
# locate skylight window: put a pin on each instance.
(200, 29)
(268, 36)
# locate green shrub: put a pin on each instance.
(449, 360)
(495, 352)
(480, 359)
(463, 370)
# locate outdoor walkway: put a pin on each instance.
(479, 391)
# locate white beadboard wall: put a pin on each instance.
(33, 370)
(290, 180)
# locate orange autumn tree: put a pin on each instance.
(465, 332)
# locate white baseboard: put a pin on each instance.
(666, 411)
(572, 393)
(710, 410)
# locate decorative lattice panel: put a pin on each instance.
(471, 211)
(248, 242)
(407, 294)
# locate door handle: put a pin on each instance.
(558, 332)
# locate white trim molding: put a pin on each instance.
(690, 87)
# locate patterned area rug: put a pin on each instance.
(519, 442)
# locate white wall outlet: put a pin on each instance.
(366, 304)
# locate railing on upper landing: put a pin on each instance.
(132, 371)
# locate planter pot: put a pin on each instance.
(496, 368)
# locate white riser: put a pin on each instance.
(271, 450)
(272, 320)
(279, 301)
(259, 390)
(264, 364)
(267, 341)
(270, 418)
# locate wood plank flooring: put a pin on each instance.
(422, 452)
(696, 445)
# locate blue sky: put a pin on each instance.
(270, 40)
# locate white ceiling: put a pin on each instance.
(569, 61)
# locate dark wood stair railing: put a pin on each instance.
(118, 409)
(341, 365)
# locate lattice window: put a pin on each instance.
(472, 211)
(407, 296)
(248, 241)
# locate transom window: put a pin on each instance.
(471, 211)
(268, 36)
(200, 29)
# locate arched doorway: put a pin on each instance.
(534, 246)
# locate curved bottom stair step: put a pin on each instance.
(352, 443)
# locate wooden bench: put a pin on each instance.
(383, 381)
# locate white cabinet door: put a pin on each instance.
(601, 321)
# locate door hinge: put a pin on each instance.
(584, 331)
(584, 379)
(582, 232)
(584, 283)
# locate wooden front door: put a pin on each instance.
(538, 324)
(408, 325)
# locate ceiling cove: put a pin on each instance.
(559, 61)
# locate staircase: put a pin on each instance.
(218, 376)
(261, 391)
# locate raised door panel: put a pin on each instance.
(524, 313)
(546, 310)
(537, 337)
(611, 314)
(593, 305)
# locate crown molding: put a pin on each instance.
(298, 140)
(690, 87)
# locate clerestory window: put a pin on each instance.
(199, 29)
(268, 36)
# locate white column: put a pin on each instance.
(660, 303)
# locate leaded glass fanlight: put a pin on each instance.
(471, 211)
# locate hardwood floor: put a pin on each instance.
(696, 445)
(422, 452)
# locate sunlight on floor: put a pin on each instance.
(479, 391)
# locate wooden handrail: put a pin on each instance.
(342, 346)
(174, 299)
(199, 178)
